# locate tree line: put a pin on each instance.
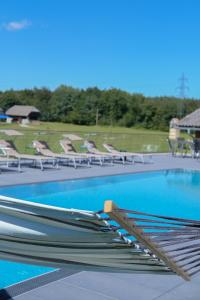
(101, 107)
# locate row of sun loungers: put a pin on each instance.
(112, 153)
(45, 157)
(68, 148)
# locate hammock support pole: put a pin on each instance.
(111, 209)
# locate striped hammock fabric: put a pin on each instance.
(39, 234)
(114, 240)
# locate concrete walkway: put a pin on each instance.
(33, 175)
(105, 286)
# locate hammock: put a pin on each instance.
(113, 240)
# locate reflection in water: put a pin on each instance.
(185, 180)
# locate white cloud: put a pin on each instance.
(16, 25)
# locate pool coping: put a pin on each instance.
(27, 285)
(97, 176)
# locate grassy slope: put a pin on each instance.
(140, 140)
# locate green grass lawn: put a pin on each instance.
(130, 139)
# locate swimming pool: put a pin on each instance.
(175, 193)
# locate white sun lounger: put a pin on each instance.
(9, 150)
(43, 149)
(70, 150)
(115, 157)
(7, 163)
(131, 155)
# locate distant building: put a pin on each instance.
(191, 123)
(174, 131)
(22, 114)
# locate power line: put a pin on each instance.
(183, 86)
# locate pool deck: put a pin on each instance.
(73, 285)
(35, 175)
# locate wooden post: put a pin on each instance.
(131, 227)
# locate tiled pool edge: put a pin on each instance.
(35, 282)
(101, 175)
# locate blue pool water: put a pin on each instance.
(175, 193)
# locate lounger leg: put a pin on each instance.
(34, 163)
(101, 162)
(19, 165)
(41, 165)
(88, 162)
(74, 161)
(56, 162)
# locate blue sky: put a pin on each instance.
(136, 45)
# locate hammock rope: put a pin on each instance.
(162, 236)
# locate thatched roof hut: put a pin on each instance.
(23, 113)
(191, 121)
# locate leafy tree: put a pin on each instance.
(94, 106)
(8, 99)
(61, 103)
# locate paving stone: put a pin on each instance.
(117, 287)
(63, 290)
